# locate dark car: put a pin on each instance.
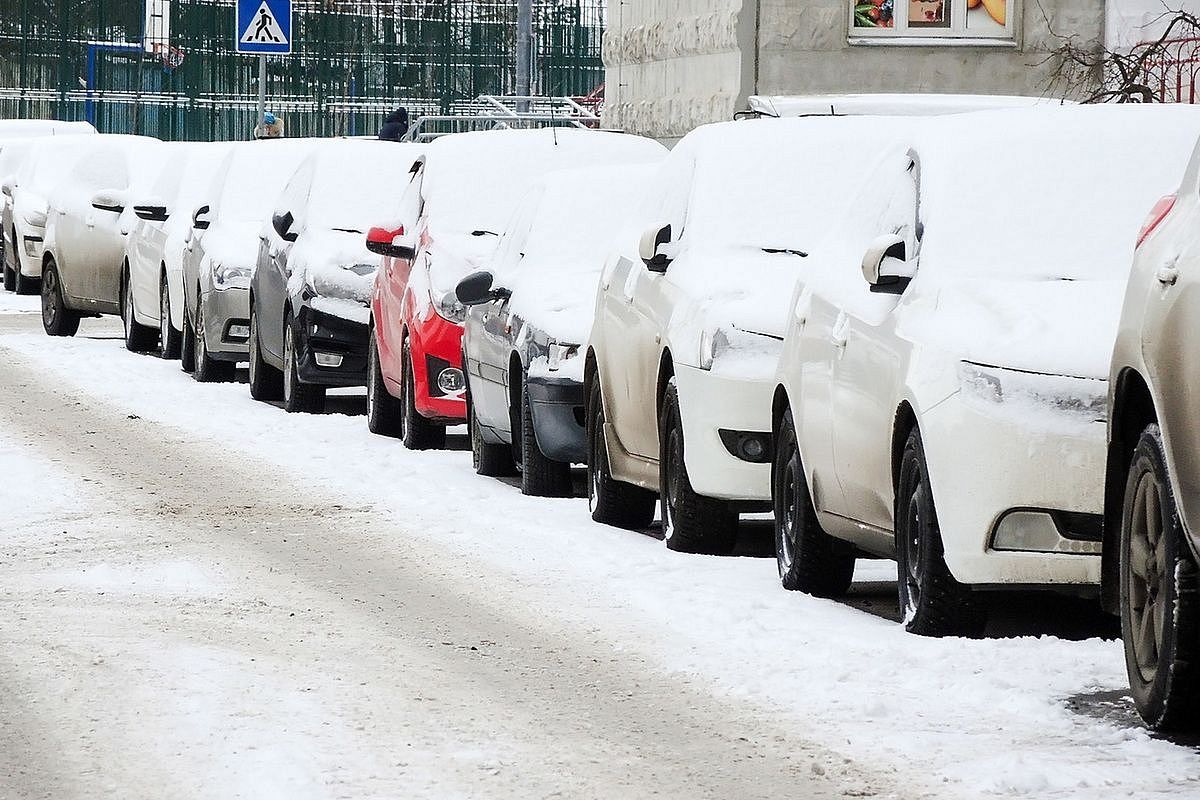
(529, 317)
(310, 296)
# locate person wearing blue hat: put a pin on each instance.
(271, 127)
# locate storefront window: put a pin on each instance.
(923, 19)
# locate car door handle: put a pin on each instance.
(1167, 274)
(840, 334)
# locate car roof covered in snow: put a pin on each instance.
(924, 104)
(21, 128)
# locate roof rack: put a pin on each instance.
(504, 112)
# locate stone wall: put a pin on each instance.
(674, 64)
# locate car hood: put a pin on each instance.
(1050, 326)
(453, 256)
(334, 264)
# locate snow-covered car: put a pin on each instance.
(222, 249)
(530, 313)
(1152, 492)
(38, 166)
(460, 195)
(942, 390)
(924, 104)
(27, 128)
(154, 247)
(90, 214)
(310, 297)
(690, 322)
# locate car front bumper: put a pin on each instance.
(710, 403)
(335, 339)
(558, 417)
(989, 467)
(226, 309)
(436, 345)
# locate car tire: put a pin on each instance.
(138, 337)
(169, 339)
(187, 345)
(208, 369)
(932, 601)
(692, 523)
(809, 559)
(298, 397)
(57, 319)
(266, 382)
(384, 412)
(1160, 602)
(417, 433)
(10, 279)
(540, 476)
(26, 285)
(612, 502)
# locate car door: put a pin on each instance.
(102, 243)
(392, 277)
(867, 365)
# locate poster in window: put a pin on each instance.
(928, 13)
(873, 13)
(987, 16)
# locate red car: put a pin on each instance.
(460, 196)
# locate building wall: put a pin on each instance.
(674, 64)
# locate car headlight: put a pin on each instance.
(1082, 400)
(739, 353)
(226, 277)
(449, 308)
(560, 353)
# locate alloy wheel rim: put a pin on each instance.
(49, 310)
(912, 548)
(787, 536)
(674, 482)
(164, 315)
(596, 462)
(289, 374)
(1147, 559)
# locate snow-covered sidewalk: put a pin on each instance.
(955, 718)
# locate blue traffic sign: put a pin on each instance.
(263, 26)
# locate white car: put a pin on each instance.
(222, 249)
(942, 391)
(41, 165)
(154, 248)
(27, 128)
(688, 330)
(90, 214)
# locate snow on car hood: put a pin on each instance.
(335, 264)
(232, 244)
(453, 256)
(1049, 326)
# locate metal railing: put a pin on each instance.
(492, 112)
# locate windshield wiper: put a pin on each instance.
(349, 230)
(484, 233)
(785, 250)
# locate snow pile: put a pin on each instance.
(563, 247)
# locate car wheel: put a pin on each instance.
(138, 337)
(932, 601)
(168, 337)
(1160, 610)
(692, 523)
(207, 368)
(57, 319)
(23, 284)
(417, 433)
(383, 410)
(298, 397)
(540, 476)
(809, 559)
(612, 502)
(266, 382)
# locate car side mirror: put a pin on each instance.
(152, 211)
(885, 264)
(200, 220)
(282, 223)
(109, 200)
(7, 185)
(652, 247)
(476, 289)
(391, 242)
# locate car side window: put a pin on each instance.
(900, 214)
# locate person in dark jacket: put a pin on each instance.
(395, 126)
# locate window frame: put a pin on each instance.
(956, 33)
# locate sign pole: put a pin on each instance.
(262, 93)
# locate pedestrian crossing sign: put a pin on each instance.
(263, 26)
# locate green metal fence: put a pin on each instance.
(352, 62)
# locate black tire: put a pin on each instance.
(208, 369)
(932, 601)
(809, 559)
(692, 523)
(298, 397)
(383, 410)
(612, 502)
(10, 278)
(57, 319)
(138, 338)
(540, 476)
(1160, 602)
(266, 382)
(488, 459)
(12, 263)
(417, 433)
(187, 347)
(169, 339)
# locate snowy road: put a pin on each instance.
(205, 597)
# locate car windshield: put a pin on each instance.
(257, 174)
(358, 182)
